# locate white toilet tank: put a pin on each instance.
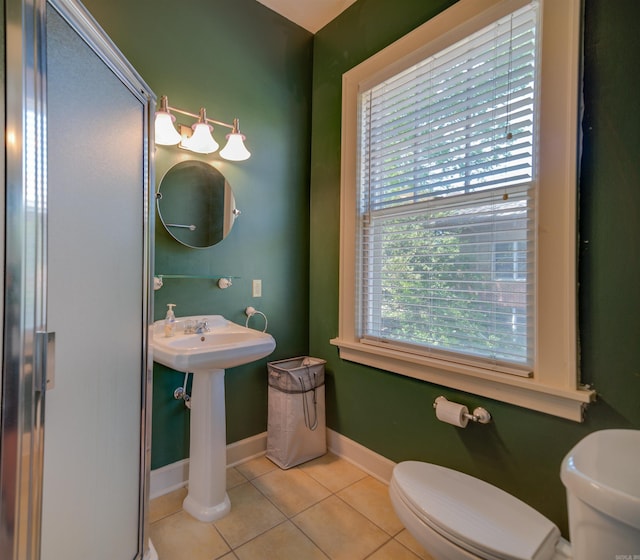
(602, 478)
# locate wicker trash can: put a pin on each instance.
(296, 425)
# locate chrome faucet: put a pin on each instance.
(202, 326)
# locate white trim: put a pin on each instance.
(372, 463)
(176, 475)
(168, 478)
(246, 449)
(151, 553)
(565, 403)
(554, 387)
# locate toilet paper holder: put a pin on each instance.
(479, 414)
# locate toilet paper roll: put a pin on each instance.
(452, 413)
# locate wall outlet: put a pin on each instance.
(257, 288)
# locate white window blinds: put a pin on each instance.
(447, 201)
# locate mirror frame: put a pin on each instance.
(192, 184)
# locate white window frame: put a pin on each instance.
(554, 387)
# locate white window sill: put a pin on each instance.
(566, 403)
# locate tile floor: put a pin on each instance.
(326, 508)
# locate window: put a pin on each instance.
(458, 204)
(510, 261)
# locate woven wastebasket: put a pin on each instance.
(296, 426)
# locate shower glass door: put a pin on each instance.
(95, 278)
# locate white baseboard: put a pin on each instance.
(168, 478)
(246, 449)
(171, 477)
(176, 475)
(362, 457)
(151, 553)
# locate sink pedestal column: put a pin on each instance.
(207, 499)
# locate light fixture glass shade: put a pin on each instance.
(201, 140)
(235, 149)
(166, 134)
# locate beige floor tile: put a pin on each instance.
(234, 478)
(284, 542)
(255, 467)
(371, 498)
(406, 538)
(166, 505)
(341, 532)
(292, 491)
(180, 536)
(332, 472)
(393, 550)
(355, 523)
(251, 515)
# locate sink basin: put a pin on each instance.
(207, 355)
(225, 345)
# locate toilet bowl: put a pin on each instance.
(455, 516)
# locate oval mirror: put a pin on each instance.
(196, 204)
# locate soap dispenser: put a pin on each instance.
(170, 321)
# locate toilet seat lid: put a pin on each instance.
(474, 514)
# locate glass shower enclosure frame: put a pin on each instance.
(28, 347)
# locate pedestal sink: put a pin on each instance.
(221, 345)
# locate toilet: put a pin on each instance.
(455, 516)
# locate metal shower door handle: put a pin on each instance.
(45, 372)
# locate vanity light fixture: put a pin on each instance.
(200, 139)
(235, 149)
(166, 134)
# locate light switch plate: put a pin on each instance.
(257, 288)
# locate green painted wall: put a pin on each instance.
(265, 81)
(521, 450)
(238, 59)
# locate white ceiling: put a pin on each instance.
(313, 15)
